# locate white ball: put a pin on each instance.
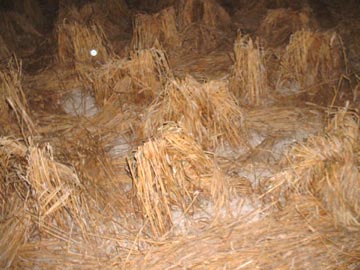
(93, 52)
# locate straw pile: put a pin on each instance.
(159, 27)
(206, 111)
(293, 238)
(141, 78)
(326, 167)
(208, 13)
(280, 24)
(311, 59)
(249, 79)
(171, 172)
(75, 41)
(13, 103)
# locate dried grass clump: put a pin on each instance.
(206, 111)
(207, 12)
(280, 24)
(76, 40)
(312, 58)
(159, 27)
(13, 103)
(139, 79)
(170, 172)
(327, 167)
(249, 79)
(39, 197)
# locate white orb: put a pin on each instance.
(93, 52)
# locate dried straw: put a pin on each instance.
(312, 58)
(249, 77)
(171, 171)
(75, 41)
(206, 111)
(326, 167)
(280, 24)
(209, 13)
(159, 27)
(138, 79)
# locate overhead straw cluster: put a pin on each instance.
(312, 59)
(159, 27)
(249, 79)
(207, 111)
(172, 171)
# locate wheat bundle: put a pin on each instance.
(171, 171)
(77, 42)
(312, 58)
(249, 79)
(280, 24)
(12, 99)
(207, 111)
(159, 27)
(138, 79)
(326, 167)
(209, 13)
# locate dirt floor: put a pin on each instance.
(189, 134)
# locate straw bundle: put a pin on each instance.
(138, 79)
(280, 24)
(75, 41)
(326, 167)
(161, 27)
(13, 100)
(312, 58)
(249, 79)
(170, 172)
(207, 12)
(207, 111)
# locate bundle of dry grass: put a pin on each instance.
(326, 167)
(159, 27)
(139, 79)
(76, 41)
(280, 24)
(207, 12)
(169, 173)
(249, 79)
(13, 103)
(249, 15)
(312, 59)
(294, 238)
(47, 194)
(206, 111)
